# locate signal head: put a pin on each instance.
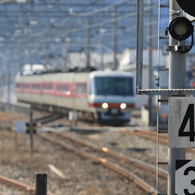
(180, 28)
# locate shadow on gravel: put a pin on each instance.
(116, 144)
(138, 149)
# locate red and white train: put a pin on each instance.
(105, 96)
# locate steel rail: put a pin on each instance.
(46, 119)
(152, 133)
(129, 175)
(1, 193)
(19, 184)
(111, 153)
(145, 134)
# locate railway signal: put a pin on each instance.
(34, 127)
(180, 29)
(188, 6)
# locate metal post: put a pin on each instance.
(65, 53)
(150, 64)
(41, 184)
(8, 82)
(20, 57)
(139, 44)
(31, 133)
(45, 51)
(88, 61)
(31, 52)
(115, 38)
(102, 31)
(176, 81)
(101, 51)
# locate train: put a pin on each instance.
(102, 96)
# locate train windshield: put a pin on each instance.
(114, 86)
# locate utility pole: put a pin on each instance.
(114, 41)
(102, 31)
(176, 81)
(30, 50)
(8, 79)
(67, 45)
(45, 51)
(101, 51)
(20, 65)
(150, 63)
(64, 55)
(88, 59)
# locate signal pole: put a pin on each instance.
(176, 81)
(88, 61)
(150, 63)
(115, 65)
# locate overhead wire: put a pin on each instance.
(107, 21)
(46, 29)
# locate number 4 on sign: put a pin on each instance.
(181, 125)
(189, 116)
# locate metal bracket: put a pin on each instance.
(178, 48)
(174, 92)
(174, 12)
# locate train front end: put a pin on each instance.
(112, 96)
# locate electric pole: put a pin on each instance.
(176, 81)
(115, 37)
(88, 60)
(102, 31)
(150, 63)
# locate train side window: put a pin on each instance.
(63, 87)
(81, 88)
(18, 85)
(26, 86)
(36, 86)
(47, 86)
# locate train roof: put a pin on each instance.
(111, 73)
(85, 74)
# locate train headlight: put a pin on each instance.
(105, 105)
(123, 106)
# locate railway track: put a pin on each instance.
(18, 184)
(162, 138)
(105, 161)
(113, 154)
(153, 136)
(48, 118)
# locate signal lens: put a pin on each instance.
(181, 28)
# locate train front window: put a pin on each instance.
(114, 86)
